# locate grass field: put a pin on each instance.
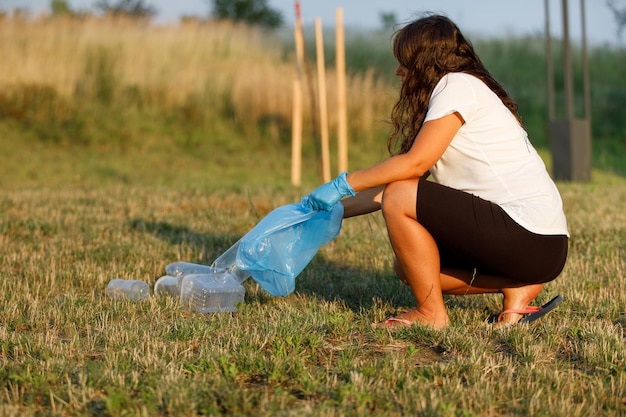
(74, 215)
(66, 349)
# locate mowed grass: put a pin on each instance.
(68, 350)
(146, 186)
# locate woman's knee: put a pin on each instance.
(400, 197)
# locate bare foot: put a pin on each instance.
(517, 299)
(412, 317)
(392, 323)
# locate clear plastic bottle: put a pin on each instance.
(177, 269)
(133, 289)
(211, 293)
(167, 285)
(227, 262)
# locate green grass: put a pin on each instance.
(73, 218)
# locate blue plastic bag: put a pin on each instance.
(283, 243)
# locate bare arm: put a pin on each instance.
(365, 202)
(431, 142)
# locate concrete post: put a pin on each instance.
(570, 138)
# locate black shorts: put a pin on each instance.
(472, 233)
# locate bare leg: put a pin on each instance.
(515, 295)
(418, 265)
(462, 282)
(416, 252)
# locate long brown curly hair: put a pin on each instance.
(429, 48)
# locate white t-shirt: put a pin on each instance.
(492, 158)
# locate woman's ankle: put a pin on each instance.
(518, 298)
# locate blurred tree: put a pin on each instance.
(254, 12)
(131, 8)
(619, 12)
(388, 20)
(60, 8)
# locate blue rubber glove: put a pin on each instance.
(326, 196)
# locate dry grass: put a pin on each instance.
(68, 350)
(174, 59)
(74, 217)
(229, 67)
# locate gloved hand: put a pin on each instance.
(326, 196)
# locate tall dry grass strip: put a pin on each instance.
(234, 69)
(176, 59)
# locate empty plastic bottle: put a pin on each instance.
(211, 293)
(177, 269)
(167, 285)
(122, 289)
(227, 262)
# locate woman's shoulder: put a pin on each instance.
(462, 81)
(461, 77)
(455, 81)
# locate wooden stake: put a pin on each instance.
(323, 107)
(296, 130)
(342, 113)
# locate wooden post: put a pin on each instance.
(323, 106)
(296, 130)
(342, 116)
